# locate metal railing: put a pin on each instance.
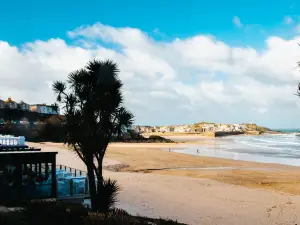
(75, 172)
(11, 140)
(71, 182)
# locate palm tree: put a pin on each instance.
(93, 106)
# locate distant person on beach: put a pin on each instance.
(169, 149)
(197, 151)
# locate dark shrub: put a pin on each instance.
(114, 217)
(12, 218)
(107, 195)
(52, 130)
(156, 138)
(54, 213)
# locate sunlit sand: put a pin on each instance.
(249, 193)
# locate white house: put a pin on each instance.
(163, 129)
(222, 127)
(182, 129)
(208, 128)
(146, 129)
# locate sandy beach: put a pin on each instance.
(159, 183)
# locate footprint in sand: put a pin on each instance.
(279, 215)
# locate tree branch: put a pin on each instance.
(78, 153)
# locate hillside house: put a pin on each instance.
(243, 127)
(182, 129)
(179, 129)
(2, 104)
(162, 129)
(44, 109)
(196, 129)
(136, 128)
(208, 128)
(170, 129)
(24, 106)
(146, 129)
(238, 127)
(11, 104)
(223, 127)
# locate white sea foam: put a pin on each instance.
(273, 140)
(275, 148)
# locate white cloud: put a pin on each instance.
(260, 110)
(167, 82)
(237, 21)
(288, 20)
(297, 28)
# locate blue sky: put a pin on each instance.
(220, 61)
(25, 21)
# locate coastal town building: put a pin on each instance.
(44, 109)
(40, 108)
(2, 104)
(136, 128)
(163, 129)
(194, 128)
(208, 128)
(23, 113)
(183, 128)
(9, 103)
(146, 129)
(24, 106)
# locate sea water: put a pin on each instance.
(269, 148)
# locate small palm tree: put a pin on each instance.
(93, 106)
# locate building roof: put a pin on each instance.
(9, 100)
(21, 102)
(27, 157)
(50, 106)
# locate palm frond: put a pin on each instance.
(107, 195)
(59, 87)
(124, 120)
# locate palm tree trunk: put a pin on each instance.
(100, 175)
(92, 185)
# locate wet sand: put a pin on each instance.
(204, 196)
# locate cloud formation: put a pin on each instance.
(181, 81)
(288, 20)
(237, 22)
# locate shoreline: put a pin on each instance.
(152, 159)
(210, 134)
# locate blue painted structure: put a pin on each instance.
(29, 173)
